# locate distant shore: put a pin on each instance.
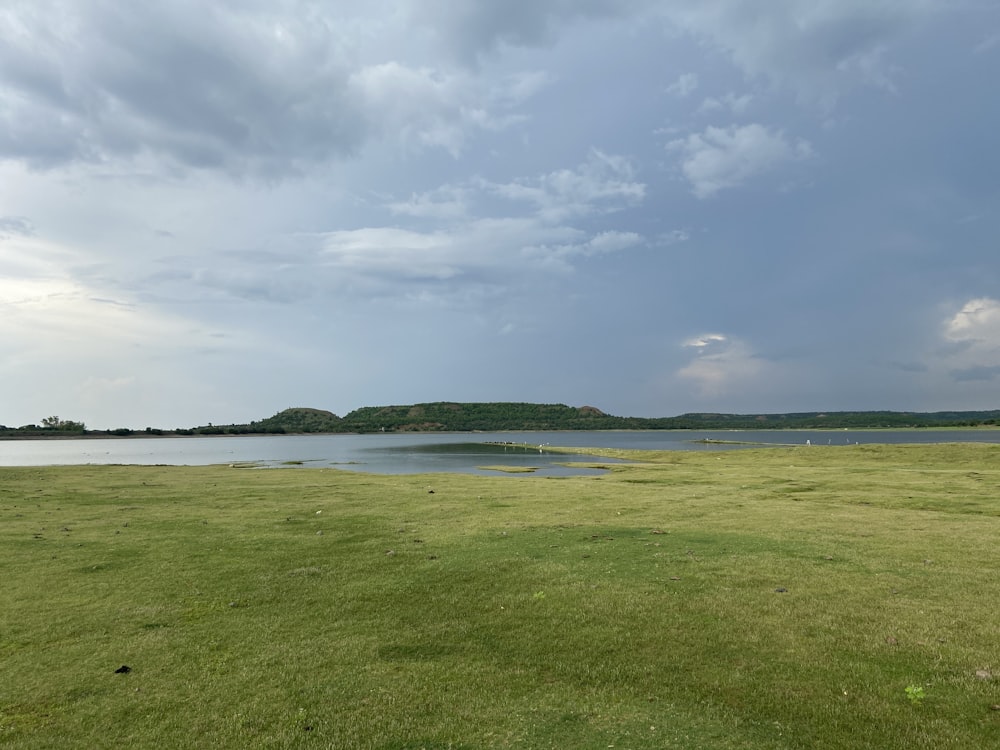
(142, 434)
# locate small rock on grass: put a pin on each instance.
(123, 669)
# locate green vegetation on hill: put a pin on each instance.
(302, 420)
(461, 417)
(447, 416)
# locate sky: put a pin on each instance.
(213, 211)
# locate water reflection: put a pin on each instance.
(431, 452)
(491, 457)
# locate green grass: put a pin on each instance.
(777, 598)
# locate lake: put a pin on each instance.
(415, 453)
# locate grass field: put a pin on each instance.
(817, 597)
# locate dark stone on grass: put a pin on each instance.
(781, 590)
(123, 669)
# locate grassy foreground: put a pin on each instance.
(819, 597)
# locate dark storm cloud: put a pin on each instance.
(472, 29)
(221, 88)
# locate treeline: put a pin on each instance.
(486, 417)
(446, 416)
(858, 420)
(502, 416)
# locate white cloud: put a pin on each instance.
(721, 365)
(499, 250)
(721, 158)
(424, 107)
(978, 322)
(470, 245)
(558, 256)
(602, 184)
(974, 337)
(819, 48)
(706, 341)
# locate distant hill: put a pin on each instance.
(302, 420)
(448, 416)
(492, 416)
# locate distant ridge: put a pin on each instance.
(302, 419)
(490, 416)
(451, 416)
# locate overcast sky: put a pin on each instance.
(212, 211)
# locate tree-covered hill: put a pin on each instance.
(302, 420)
(451, 416)
(448, 416)
(479, 416)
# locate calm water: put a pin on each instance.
(419, 453)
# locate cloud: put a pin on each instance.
(603, 183)
(63, 318)
(424, 107)
(819, 49)
(248, 89)
(15, 226)
(493, 251)
(721, 158)
(445, 203)
(684, 85)
(475, 30)
(603, 243)
(480, 241)
(978, 322)
(972, 337)
(735, 104)
(241, 89)
(721, 364)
